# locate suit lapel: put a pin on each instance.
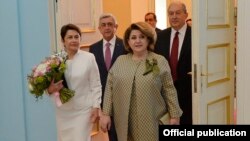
(185, 43)
(116, 51)
(168, 43)
(100, 55)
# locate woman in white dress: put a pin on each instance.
(75, 118)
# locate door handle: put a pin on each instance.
(194, 77)
(204, 74)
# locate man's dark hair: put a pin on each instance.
(151, 13)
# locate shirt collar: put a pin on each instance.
(182, 31)
(112, 41)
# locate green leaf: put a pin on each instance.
(151, 67)
(66, 95)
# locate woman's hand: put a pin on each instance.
(55, 87)
(105, 122)
(174, 121)
(94, 115)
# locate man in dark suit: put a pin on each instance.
(151, 19)
(107, 27)
(177, 14)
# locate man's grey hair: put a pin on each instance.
(181, 3)
(107, 15)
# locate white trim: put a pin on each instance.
(52, 26)
(243, 65)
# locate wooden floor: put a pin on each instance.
(235, 111)
(97, 134)
(100, 136)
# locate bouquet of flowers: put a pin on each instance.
(50, 68)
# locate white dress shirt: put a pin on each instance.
(181, 36)
(112, 46)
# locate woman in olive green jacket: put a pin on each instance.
(139, 89)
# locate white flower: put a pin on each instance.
(62, 54)
(41, 69)
(30, 87)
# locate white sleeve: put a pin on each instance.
(95, 83)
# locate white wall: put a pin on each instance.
(138, 10)
(84, 14)
(25, 40)
(161, 13)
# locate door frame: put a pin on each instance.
(242, 61)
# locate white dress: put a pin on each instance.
(73, 117)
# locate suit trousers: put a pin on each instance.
(112, 131)
(184, 92)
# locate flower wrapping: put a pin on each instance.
(50, 68)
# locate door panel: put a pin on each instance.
(213, 61)
(84, 14)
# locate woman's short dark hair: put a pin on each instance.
(67, 27)
(146, 29)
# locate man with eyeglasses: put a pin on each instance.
(110, 45)
(174, 43)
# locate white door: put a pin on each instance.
(84, 14)
(213, 61)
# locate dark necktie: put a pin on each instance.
(174, 56)
(108, 55)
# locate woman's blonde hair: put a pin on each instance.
(146, 29)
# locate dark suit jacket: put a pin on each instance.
(184, 83)
(97, 50)
(157, 30)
